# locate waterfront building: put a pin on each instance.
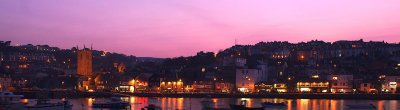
(367, 88)
(391, 84)
(201, 87)
(223, 87)
(280, 87)
(341, 83)
(246, 79)
(172, 86)
(263, 87)
(312, 86)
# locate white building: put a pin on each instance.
(246, 79)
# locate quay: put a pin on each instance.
(77, 94)
(276, 95)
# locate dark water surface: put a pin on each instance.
(194, 103)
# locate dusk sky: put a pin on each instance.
(170, 28)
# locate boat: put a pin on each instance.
(272, 104)
(114, 103)
(8, 100)
(9, 97)
(362, 106)
(207, 105)
(152, 107)
(242, 106)
(67, 105)
(44, 104)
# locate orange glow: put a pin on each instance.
(380, 105)
(90, 101)
(25, 100)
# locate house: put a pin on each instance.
(246, 79)
(341, 83)
(391, 84)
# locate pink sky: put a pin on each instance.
(169, 28)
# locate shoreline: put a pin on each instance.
(75, 94)
(283, 96)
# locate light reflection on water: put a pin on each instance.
(195, 103)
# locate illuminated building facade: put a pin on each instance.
(201, 87)
(312, 86)
(223, 87)
(341, 83)
(391, 84)
(172, 86)
(84, 68)
(246, 79)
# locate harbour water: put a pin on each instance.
(195, 103)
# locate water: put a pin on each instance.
(194, 103)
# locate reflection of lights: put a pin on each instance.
(90, 101)
(25, 100)
(335, 78)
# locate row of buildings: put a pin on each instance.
(272, 67)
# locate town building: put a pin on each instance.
(172, 86)
(246, 79)
(391, 84)
(341, 83)
(223, 87)
(312, 86)
(367, 88)
(201, 87)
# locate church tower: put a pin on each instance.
(84, 67)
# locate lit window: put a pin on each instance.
(334, 78)
(203, 69)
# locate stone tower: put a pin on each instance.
(84, 68)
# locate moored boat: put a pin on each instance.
(115, 103)
(272, 104)
(9, 100)
(208, 105)
(67, 105)
(362, 106)
(242, 106)
(44, 104)
(152, 107)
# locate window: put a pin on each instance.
(365, 85)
